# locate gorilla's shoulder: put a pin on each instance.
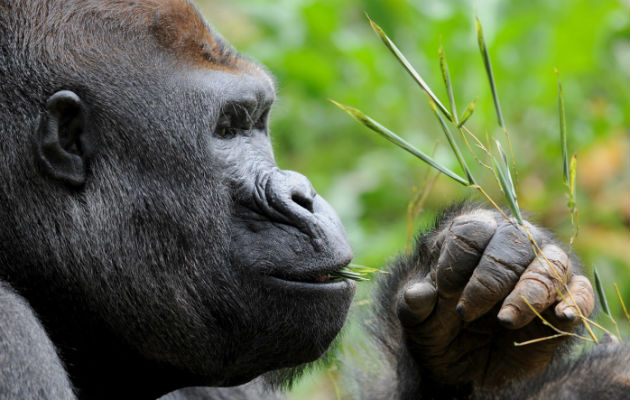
(29, 362)
(256, 389)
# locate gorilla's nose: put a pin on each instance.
(288, 197)
(302, 192)
(291, 195)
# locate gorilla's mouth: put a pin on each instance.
(315, 272)
(323, 280)
(294, 245)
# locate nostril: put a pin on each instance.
(303, 201)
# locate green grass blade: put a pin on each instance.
(467, 113)
(346, 275)
(571, 182)
(398, 141)
(563, 133)
(600, 293)
(405, 63)
(506, 166)
(488, 66)
(447, 82)
(508, 195)
(362, 269)
(505, 179)
(348, 272)
(451, 141)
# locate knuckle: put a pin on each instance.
(581, 284)
(539, 283)
(477, 221)
(498, 265)
(556, 255)
(486, 288)
(553, 263)
(511, 229)
(470, 233)
(511, 244)
(467, 244)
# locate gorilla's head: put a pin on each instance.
(143, 215)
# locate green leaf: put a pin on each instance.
(488, 66)
(506, 166)
(572, 176)
(447, 82)
(563, 134)
(451, 141)
(467, 113)
(398, 141)
(403, 60)
(505, 179)
(600, 293)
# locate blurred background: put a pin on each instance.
(320, 50)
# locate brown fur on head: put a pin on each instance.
(85, 26)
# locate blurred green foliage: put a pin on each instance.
(325, 49)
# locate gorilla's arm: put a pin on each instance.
(29, 365)
(603, 373)
(450, 312)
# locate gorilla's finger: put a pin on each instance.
(420, 298)
(582, 292)
(461, 251)
(539, 285)
(504, 260)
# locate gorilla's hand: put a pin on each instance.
(462, 319)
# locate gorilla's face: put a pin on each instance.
(171, 230)
(277, 302)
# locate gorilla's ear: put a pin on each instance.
(61, 142)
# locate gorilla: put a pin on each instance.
(149, 242)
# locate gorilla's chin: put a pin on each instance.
(285, 378)
(307, 317)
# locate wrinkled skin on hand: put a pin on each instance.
(462, 318)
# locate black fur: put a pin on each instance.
(183, 256)
(148, 241)
(406, 381)
(603, 372)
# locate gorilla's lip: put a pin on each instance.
(331, 285)
(317, 277)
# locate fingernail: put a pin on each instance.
(507, 315)
(419, 293)
(569, 314)
(460, 310)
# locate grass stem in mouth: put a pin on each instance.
(354, 272)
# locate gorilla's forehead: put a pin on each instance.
(179, 28)
(175, 25)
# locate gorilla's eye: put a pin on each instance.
(241, 119)
(226, 132)
(228, 127)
